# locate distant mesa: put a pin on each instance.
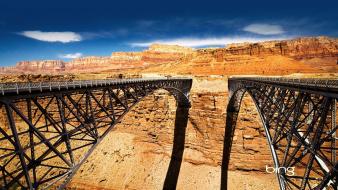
(308, 54)
(169, 48)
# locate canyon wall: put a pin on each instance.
(44, 66)
(308, 54)
(136, 154)
(300, 48)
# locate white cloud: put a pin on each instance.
(202, 42)
(264, 29)
(64, 37)
(70, 55)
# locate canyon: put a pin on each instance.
(136, 154)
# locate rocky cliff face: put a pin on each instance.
(11, 69)
(298, 48)
(45, 66)
(138, 151)
(152, 122)
(82, 63)
(126, 56)
(169, 49)
(310, 54)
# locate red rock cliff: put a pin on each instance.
(45, 65)
(309, 54)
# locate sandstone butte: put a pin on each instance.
(136, 154)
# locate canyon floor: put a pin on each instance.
(119, 163)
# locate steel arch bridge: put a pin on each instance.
(49, 129)
(300, 122)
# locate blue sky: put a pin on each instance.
(36, 29)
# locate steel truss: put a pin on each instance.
(299, 118)
(49, 129)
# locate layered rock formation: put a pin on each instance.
(309, 54)
(169, 49)
(87, 62)
(305, 55)
(11, 69)
(300, 48)
(137, 152)
(45, 66)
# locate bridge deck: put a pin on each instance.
(327, 86)
(29, 87)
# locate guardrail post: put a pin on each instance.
(17, 88)
(40, 86)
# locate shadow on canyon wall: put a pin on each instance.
(181, 122)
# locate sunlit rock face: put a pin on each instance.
(162, 48)
(297, 48)
(45, 65)
(308, 54)
(137, 153)
(88, 61)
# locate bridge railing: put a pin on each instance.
(18, 87)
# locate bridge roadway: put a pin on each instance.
(328, 87)
(28, 87)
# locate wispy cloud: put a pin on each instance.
(70, 55)
(64, 37)
(203, 42)
(264, 29)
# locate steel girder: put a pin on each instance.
(299, 119)
(47, 132)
